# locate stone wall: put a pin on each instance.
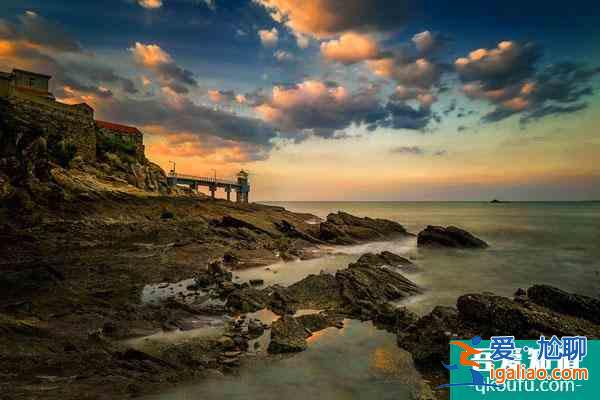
(73, 123)
(135, 139)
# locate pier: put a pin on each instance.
(241, 186)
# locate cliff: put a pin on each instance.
(51, 152)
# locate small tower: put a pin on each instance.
(244, 187)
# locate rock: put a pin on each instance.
(25, 327)
(257, 282)
(365, 288)
(565, 303)
(216, 268)
(247, 300)
(385, 258)
(229, 258)
(331, 233)
(428, 338)
(291, 231)
(361, 291)
(395, 317)
(520, 292)
(316, 322)
(288, 335)
(255, 328)
(316, 292)
(438, 236)
(343, 229)
(497, 315)
(225, 342)
(229, 221)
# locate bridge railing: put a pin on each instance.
(201, 178)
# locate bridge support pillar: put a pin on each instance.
(228, 191)
(238, 196)
(212, 189)
(246, 196)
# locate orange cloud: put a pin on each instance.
(150, 4)
(350, 48)
(420, 73)
(325, 18)
(215, 96)
(268, 37)
(167, 144)
(150, 55)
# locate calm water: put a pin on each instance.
(554, 243)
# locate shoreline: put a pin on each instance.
(75, 279)
(66, 271)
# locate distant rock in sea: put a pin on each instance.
(451, 236)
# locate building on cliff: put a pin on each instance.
(30, 99)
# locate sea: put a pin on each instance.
(555, 243)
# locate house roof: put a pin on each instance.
(31, 73)
(131, 130)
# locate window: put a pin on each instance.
(31, 82)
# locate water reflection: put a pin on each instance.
(357, 362)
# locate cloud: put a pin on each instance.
(186, 144)
(35, 31)
(508, 78)
(150, 4)
(157, 60)
(416, 73)
(95, 72)
(268, 38)
(400, 115)
(226, 96)
(81, 76)
(40, 45)
(219, 96)
(211, 4)
(284, 56)
(318, 108)
(412, 150)
(302, 40)
(510, 62)
(186, 116)
(326, 18)
(350, 48)
(428, 42)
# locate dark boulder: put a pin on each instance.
(361, 291)
(385, 258)
(342, 228)
(288, 335)
(247, 300)
(485, 315)
(565, 303)
(451, 236)
(428, 339)
(497, 315)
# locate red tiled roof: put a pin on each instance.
(118, 127)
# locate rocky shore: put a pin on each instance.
(73, 272)
(83, 244)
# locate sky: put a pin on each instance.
(339, 100)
